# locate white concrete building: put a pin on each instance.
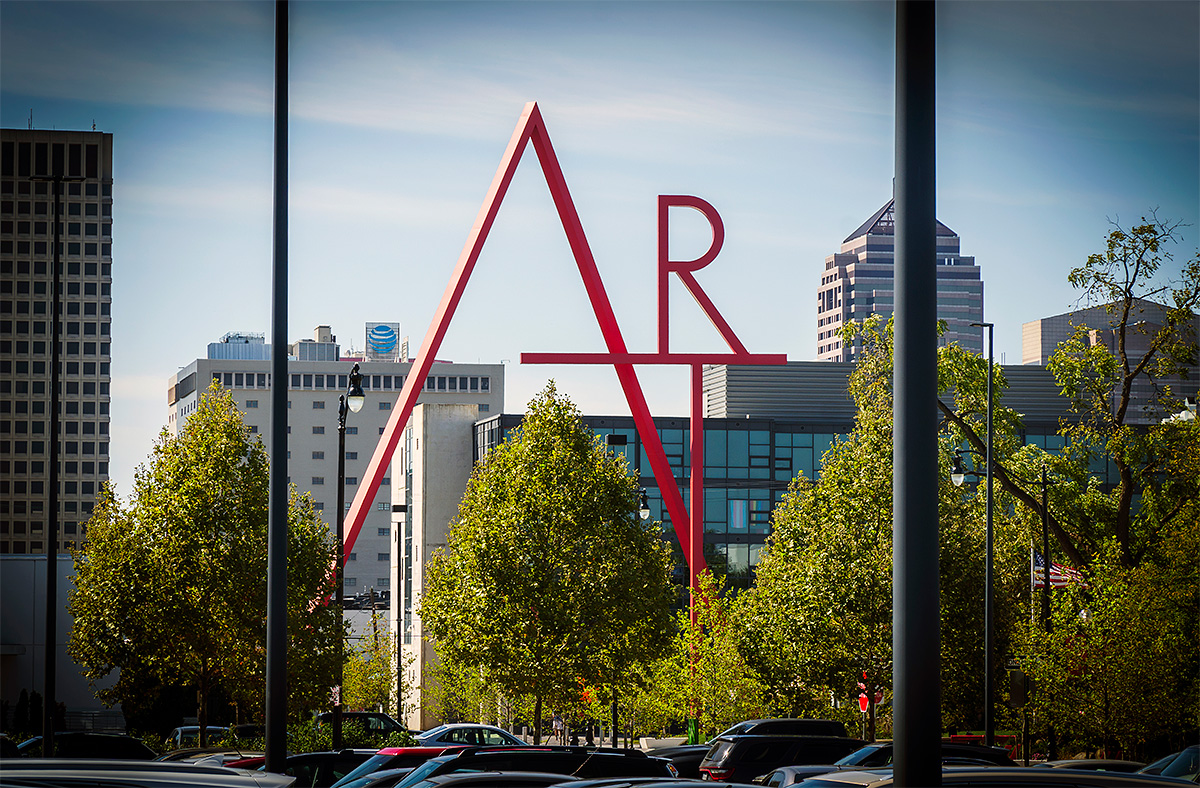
(430, 473)
(314, 387)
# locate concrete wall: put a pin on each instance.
(439, 450)
(22, 639)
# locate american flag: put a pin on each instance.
(1060, 576)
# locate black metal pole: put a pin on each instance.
(1052, 749)
(50, 665)
(989, 666)
(916, 617)
(276, 689)
(340, 532)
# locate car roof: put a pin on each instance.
(148, 774)
(1002, 776)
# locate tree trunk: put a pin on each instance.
(537, 719)
(202, 708)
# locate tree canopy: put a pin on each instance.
(549, 579)
(170, 587)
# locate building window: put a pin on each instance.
(319, 506)
(351, 431)
(383, 507)
(318, 404)
(351, 455)
(318, 455)
(351, 480)
(382, 582)
(253, 429)
(352, 557)
(385, 406)
(382, 556)
(318, 431)
(318, 480)
(384, 531)
(251, 403)
(351, 582)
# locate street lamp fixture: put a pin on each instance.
(643, 505)
(354, 394)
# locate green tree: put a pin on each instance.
(1122, 499)
(820, 617)
(170, 588)
(371, 671)
(549, 578)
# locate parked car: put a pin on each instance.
(312, 769)
(879, 754)
(88, 773)
(189, 735)
(741, 758)
(486, 780)
(685, 757)
(1093, 764)
(85, 744)
(787, 726)
(390, 759)
(997, 777)
(323, 769)
(467, 734)
(579, 762)
(217, 755)
(1184, 765)
(375, 722)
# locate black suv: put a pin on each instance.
(741, 758)
(580, 762)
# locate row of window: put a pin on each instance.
(69, 528)
(37, 468)
(380, 582)
(41, 159)
(71, 188)
(39, 447)
(312, 381)
(75, 348)
(46, 208)
(70, 268)
(23, 406)
(68, 428)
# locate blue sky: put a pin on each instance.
(1053, 119)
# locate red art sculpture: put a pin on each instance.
(531, 129)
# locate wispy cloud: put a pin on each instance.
(202, 55)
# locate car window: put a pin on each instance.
(775, 779)
(1186, 766)
(495, 737)
(765, 751)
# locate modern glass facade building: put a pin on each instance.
(748, 466)
(860, 279)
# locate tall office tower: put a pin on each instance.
(859, 281)
(317, 374)
(31, 163)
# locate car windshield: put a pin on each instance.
(421, 772)
(1186, 765)
(372, 764)
(867, 756)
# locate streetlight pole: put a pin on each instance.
(50, 657)
(1051, 748)
(989, 723)
(352, 400)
